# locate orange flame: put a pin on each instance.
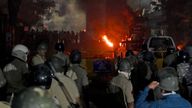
(129, 39)
(180, 46)
(107, 41)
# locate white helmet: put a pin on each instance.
(20, 51)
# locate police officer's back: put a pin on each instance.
(16, 70)
(63, 88)
(76, 72)
(122, 80)
(101, 92)
(64, 59)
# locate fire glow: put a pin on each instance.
(107, 41)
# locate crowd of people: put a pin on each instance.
(60, 81)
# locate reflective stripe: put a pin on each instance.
(9, 67)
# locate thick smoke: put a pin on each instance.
(138, 4)
(66, 16)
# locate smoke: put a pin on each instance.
(66, 16)
(138, 4)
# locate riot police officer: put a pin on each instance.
(182, 65)
(133, 60)
(78, 73)
(101, 93)
(41, 76)
(60, 48)
(33, 97)
(122, 80)
(63, 88)
(16, 70)
(170, 57)
(184, 71)
(40, 57)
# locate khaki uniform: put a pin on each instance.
(37, 59)
(79, 75)
(4, 105)
(58, 94)
(14, 73)
(122, 82)
(63, 57)
(63, 61)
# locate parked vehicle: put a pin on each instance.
(160, 43)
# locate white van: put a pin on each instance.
(160, 43)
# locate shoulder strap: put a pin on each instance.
(62, 86)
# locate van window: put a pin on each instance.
(155, 43)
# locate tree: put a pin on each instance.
(31, 11)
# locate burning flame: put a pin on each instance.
(180, 46)
(129, 39)
(107, 41)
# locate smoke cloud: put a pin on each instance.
(66, 15)
(138, 4)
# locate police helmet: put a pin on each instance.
(170, 51)
(57, 63)
(20, 51)
(42, 76)
(188, 49)
(33, 98)
(183, 56)
(75, 57)
(167, 72)
(42, 46)
(125, 66)
(59, 46)
(102, 66)
(169, 83)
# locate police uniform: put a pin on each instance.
(14, 74)
(37, 59)
(63, 57)
(64, 60)
(58, 94)
(4, 105)
(122, 82)
(79, 74)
